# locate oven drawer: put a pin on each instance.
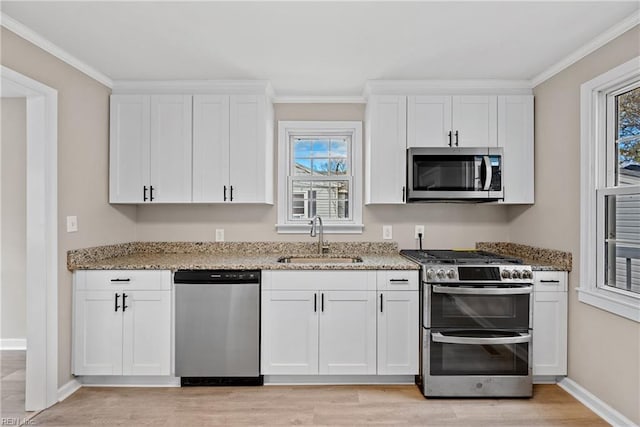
(478, 307)
(478, 352)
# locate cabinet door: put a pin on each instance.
(249, 158)
(386, 150)
(210, 148)
(347, 332)
(128, 148)
(550, 333)
(398, 330)
(475, 120)
(289, 332)
(97, 343)
(170, 159)
(428, 121)
(146, 341)
(515, 136)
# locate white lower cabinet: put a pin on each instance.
(398, 332)
(331, 323)
(118, 329)
(550, 323)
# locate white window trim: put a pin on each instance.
(287, 129)
(593, 172)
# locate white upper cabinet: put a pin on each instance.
(183, 148)
(452, 121)
(210, 147)
(170, 158)
(385, 149)
(129, 148)
(251, 149)
(515, 136)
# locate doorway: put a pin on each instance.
(41, 263)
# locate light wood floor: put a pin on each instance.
(12, 372)
(311, 405)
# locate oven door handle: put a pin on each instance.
(482, 291)
(438, 337)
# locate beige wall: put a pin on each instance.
(13, 119)
(83, 145)
(604, 349)
(446, 225)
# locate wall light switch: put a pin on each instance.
(419, 230)
(72, 224)
(219, 234)
(387, 232)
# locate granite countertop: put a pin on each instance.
(540, 259)
(234, 256)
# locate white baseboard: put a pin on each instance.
(592, 402)
(68, 389)
(13, 344)
(129, 381)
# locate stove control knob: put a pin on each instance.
(527, 274)
(506, 274)
(515, 274)
(451, 274)
(431, 274)
(441, 274)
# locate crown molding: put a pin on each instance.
(248, 87)
(448, 87)
(44, 44)
(319, 100)
(604, 38)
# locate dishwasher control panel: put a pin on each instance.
(216, 276)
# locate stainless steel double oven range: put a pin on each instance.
(476, 324)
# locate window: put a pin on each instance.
(610, 193)
(319, 175)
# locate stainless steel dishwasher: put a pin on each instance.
(217, 339)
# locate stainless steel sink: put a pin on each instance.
(320, 260)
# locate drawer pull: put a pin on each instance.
(120, 280)
(399, 280)
(549, 281)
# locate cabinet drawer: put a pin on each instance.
(123, 279)
(397, 280)
(550, 281)
(351, 280)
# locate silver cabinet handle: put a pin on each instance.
(482, 291)
(439, 337)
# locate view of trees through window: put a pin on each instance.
(623, 210)
(320, 177)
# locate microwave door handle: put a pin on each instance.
(439, 337)
(523, 290)
(488, 172)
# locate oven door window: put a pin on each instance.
(479, 353)
(480, 307)
(447, 173)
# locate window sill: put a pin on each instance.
(613, 302)
(327, 228)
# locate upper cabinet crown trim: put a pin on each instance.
(447, 87)
(188, 87)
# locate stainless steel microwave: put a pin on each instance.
(473, 173)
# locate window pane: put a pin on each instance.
(622, 241)
(339, 148)
(328, 199)
(628, 137)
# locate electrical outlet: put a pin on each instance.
(219, 234)
(419, 230)
(72, 224)
(387, 232)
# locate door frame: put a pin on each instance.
(41, 381)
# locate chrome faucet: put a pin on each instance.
(322, 245)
